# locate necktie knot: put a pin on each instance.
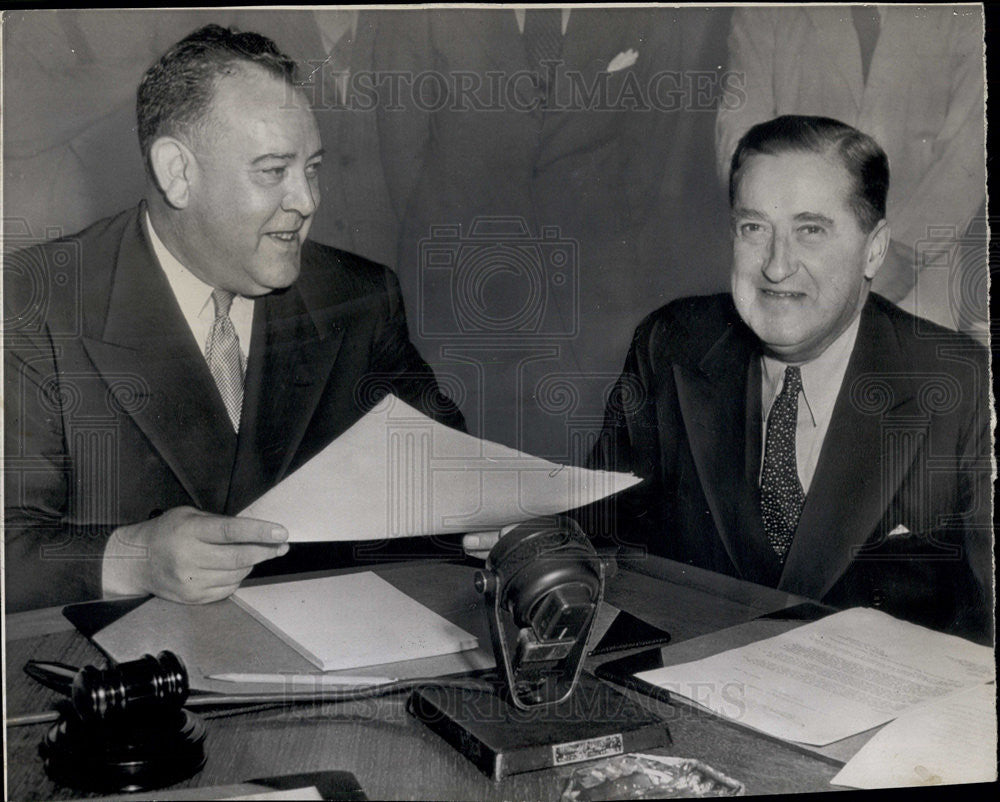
(223, 300)
(793, 381)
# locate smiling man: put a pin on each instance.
(166, 366)
(802, 432)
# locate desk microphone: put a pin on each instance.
(125, 729)
(543, 583)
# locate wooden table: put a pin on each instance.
(396, 757)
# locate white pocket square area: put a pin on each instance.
(623, 60)
(899, 531)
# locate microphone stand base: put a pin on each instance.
(501, 739)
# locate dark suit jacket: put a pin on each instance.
(112, 415)
(576, 168)
(908, 445)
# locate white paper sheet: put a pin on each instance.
(836, 677)
(343, 622)
(950, 740)
(397, 473)
(300, 794)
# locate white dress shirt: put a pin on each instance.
(194, 297)
(821, 381)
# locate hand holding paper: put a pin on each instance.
(397, 473)
(187, 555)
(480, 544)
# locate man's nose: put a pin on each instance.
(302, 196)
(779, 263)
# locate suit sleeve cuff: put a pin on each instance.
(121, 565)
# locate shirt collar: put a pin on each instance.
(193, 295)
(821, 377)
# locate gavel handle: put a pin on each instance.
(57, 676)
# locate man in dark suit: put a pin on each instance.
(168, 365)
(536, 124)
(802, 432)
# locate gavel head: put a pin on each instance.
(149, 683)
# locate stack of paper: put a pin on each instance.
(946, 741)
(349, 621)
(836, 677)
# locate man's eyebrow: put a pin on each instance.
(744, 213)
(280, 156)
(814, 217)
(287, 157)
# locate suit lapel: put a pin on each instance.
(589, 35)
(717, 403)
(761, 554)
(852, 486)
(144, 336)
(491, 33)
(248, 471)
(301, 332)
(593, 38)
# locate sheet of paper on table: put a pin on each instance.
(366, 621)
(299, 794)
(221, 638)
(833, 678)
(948, 740)
(397, 473)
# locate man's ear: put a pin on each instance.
(173, 167)
(878, 246)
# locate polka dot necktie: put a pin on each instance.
(222, 352)
(781, 495)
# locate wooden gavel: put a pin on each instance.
(120, 689)
(128, 729)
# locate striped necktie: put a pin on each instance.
(225, 361)
(543, 41)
